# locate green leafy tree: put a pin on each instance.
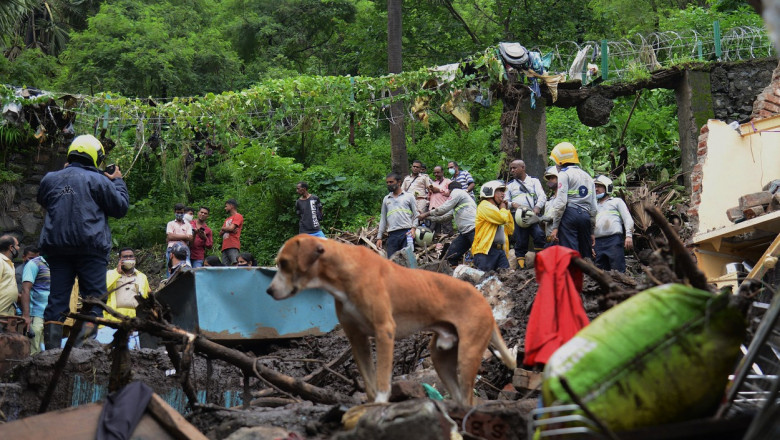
(161, 49)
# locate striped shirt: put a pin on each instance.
(464, 178)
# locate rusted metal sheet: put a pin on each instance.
(14, 346)
(231, 303)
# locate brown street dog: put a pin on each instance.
(380, 299)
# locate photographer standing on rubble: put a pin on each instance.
(76, 238)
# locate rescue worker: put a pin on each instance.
(462, 207)
(551, 181)
(526, 199)
(76, 238)
(612, 221)
(574, 209)
(494, 224)
(398, 216)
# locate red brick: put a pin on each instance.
(696, 187)
(753, 211)
(777, 91)
(704, 129)
(768, 106)
(755, 199)
(734, 214)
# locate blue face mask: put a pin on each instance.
(600, 196)
(452, 171)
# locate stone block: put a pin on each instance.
(406, 390)
(31, 224)
(7, 223)
(753, 212)
(755, 199)
(525, 380)
(734, 214)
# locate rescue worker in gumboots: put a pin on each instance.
(573, 211)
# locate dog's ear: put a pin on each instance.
(309, 250)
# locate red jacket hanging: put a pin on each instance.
(557, 313)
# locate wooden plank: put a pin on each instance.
(172, 421)
(78, 423)
(768, 222)
(760, 269)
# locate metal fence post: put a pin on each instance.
(604, 60)
(716, 30)
(699, 49)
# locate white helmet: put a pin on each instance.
(604, 181)
(525, 217)
(489, 189)
(423, 236)
(551, 172)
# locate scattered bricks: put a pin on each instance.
(525, 380)
(508, 393)
(775, 205)
(734, 214)
(755, 199)
(753, 211)
(406, 390)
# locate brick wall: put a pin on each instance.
(768, 101)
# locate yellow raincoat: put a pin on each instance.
(141, 285)
(489, 218)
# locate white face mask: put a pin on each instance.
(187, 217)
(128, 264)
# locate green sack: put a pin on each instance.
(660, 357)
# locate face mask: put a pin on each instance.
(179, 216)
(242, 264)
(128, 264)
(14, 253)
(452, 171)
(392, 188)
(188, 217)
(600, 196)
(550, 184)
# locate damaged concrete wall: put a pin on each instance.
(731, 165)
(735, 164)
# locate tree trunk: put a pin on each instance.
(509, 142)
(398, 155)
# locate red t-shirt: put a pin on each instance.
(232, 240)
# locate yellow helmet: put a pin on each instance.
(87, 147)
(564, 153)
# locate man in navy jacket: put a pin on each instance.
(76, 238)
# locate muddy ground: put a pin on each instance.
(221, 413)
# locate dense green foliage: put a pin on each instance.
(257, 112)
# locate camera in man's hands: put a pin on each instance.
(111, 169)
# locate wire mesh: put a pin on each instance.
(663, 49)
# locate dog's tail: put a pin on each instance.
(497, 342)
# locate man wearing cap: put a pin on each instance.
(75, 237)
(231, 233)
